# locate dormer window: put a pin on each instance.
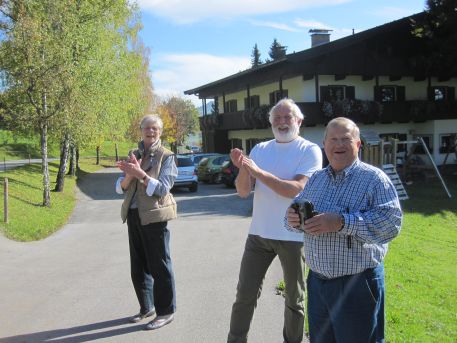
(441, 93)
(335, 93)
(389, 93)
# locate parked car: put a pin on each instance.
(187, 176)
(228, 174)
(198, 157)
(209, 168)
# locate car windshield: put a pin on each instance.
(184, 162)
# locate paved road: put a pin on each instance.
(75, 286)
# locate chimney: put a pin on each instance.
(319, 36)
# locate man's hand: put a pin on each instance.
(322, 223)
(236, 155)
(293, 218)
(251, 167)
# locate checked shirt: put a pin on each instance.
(367, 199)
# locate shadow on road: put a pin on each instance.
(77, 333)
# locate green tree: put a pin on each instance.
(35, 62)
(184, 118)
(437, 29)
(255, 57)
(277, 51)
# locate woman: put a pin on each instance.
(149, 174)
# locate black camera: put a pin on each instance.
(304, 209)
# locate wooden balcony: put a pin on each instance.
(366, 112)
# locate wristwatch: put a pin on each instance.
(143, 180)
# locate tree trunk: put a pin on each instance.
(98, 155)
(77, 157)
(44, 162)
(60, 180)
(71, 167)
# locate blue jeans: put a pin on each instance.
(348, 309)
(150, 265)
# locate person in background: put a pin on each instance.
(346, 242)
(278, 169)
(149, 174)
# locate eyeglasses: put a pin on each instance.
(287, 118)
(153, 128)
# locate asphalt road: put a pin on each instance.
(75, 285)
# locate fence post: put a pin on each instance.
(5, 200)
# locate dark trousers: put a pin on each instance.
(150, 265)
(348, 309)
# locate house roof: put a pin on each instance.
(388, 49)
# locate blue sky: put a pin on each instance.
(194, 42)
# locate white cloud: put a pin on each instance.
(189, 11)
(279, 26)
(311, 24)
(174, 73)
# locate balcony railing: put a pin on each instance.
(366, 112)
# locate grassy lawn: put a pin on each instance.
(421, 267)
(28, 219)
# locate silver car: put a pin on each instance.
(187, 177)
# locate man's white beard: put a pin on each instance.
(291, 134)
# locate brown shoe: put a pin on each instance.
(159, 321)
(140, 316)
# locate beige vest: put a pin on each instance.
(152, 209)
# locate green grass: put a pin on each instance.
(421, 267)
(14, 146)
(28, 220)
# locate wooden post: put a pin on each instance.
(5, 200)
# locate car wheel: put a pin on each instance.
(193, 188)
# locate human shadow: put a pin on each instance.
(78, 334)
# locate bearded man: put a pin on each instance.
(277, 170)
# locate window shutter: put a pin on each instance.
(325, 95)
(377, 93)
(400, 93)
(285, 93)
(246, 104)
(431, 94)
(272, 98)
(350, 92)
(451, 93)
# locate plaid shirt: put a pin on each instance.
(367, 199)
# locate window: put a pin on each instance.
(254, 102)
(447, 143)
(441, 93)
(428, 139)
(389, 93)
(236, 143)
(251, 142)
(336, 93)
(276, 96)
(231, 105)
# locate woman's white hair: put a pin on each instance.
(151, 118)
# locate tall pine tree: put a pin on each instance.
(255, 57)
(277, 51)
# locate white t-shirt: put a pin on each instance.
(284, 160)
